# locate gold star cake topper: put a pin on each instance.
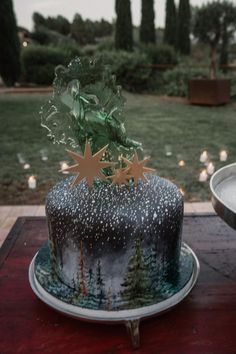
(137, 168)
(120, 176)
(88, 166)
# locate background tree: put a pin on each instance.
(59, 24)
(147, 27)
(38, 20)
(103, 28)
(228, 30)
(10, 44)
(123, 29)
(78, 30)
(170, 23)
(183, 27)
(215, 22)
(224, 55)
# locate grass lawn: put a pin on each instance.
(154, 121)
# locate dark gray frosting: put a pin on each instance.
(108, 220)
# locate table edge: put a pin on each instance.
(12, 236)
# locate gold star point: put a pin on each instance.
(137, 168)
(120, 176)
(88, 166)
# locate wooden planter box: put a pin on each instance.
(212, 92)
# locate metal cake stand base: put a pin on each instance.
(131, 318)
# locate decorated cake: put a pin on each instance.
(115, 226)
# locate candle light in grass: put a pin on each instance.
(32, 182)
(64, 165)
(223, 155)
(210, 168)
(26, 166)
(20, 158)
(180, 160)
(181, 163)
(203, 176)
(44, 154)
(204, 156)
(168, 150)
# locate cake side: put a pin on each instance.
(118, 247)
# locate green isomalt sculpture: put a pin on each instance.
(87, 105)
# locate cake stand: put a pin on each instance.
(132, 317)
(223, 189)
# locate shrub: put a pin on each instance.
(131, 69)
(161, 54)
(232, 78)
(70, 51)
(106, 44)
(41, 36)
(45, 36)
(39, 62)
(176, 80)
(90, 50)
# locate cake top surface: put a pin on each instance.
(157, 195)
(130, 211)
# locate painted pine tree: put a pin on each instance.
(73, 283)
(169, 262)
(82, 280)
(100, 292)
(154, 270)
(136, 284)
(76, 286)
(115, 302)
(91, 301)
(52, 250)
(109, 300)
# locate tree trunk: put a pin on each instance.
(213, 62)
(224, 50)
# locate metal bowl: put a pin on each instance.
(223, 189)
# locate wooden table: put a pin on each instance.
(205, 322)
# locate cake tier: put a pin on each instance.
(116, 246)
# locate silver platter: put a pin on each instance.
(130, 318)
(223, 189)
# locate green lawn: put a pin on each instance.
(152, 120)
